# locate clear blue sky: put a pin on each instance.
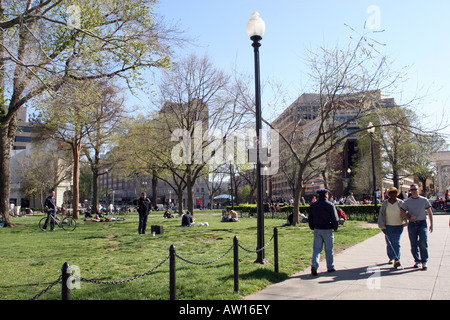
(417, 34)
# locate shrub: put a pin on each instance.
(353, 212)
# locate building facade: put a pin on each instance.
(299, 123)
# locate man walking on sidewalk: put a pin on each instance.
(415, 209)
(323, 220)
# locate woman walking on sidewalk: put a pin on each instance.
(392, 223)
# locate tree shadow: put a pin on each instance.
(267, 274)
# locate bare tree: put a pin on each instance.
(348, 84)
(108, 113)
(69, 118)
(198, 103)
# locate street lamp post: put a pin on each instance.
(371, 131)
(231, 186)
(107, 186)
(255, 29)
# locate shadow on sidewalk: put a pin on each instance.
(381, 270)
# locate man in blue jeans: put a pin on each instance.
(323, 219)
(415, 209)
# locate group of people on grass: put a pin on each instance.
(394, 215)
(144, 206)
(324, 219)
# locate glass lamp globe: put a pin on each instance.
(256, 26)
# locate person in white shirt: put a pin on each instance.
(391, 222)
(351, 199)
(111, 209)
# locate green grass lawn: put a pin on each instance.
(112, 251)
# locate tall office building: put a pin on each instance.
(302, 118)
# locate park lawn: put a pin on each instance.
(111, 251)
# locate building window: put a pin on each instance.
(23, 139)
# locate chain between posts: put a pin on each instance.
(172, 257)
(123, 281)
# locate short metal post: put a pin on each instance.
(236, 264)
(66, 273)
(172, 273)
(275, 249)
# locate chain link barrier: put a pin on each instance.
(76, 277)
(123, 281)
(257, 250)
(48, 288)
(205, 263)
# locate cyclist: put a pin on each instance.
(50, 205)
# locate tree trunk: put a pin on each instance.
(95, 183)
(190, 194)
(5, 177)
(180, 199)
(154, 190)
(297, 194)
(76, 148)
(5, 137)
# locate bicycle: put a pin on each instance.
(67, 223)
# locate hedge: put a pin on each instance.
(353, 212)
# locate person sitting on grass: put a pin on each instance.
(187, 220)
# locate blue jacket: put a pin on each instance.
(323, 215)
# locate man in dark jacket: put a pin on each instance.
(323, 220)
(50, 206)
(144, 206)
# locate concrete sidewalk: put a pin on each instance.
(362, 272)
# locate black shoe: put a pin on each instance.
(313, 271)
(331, 270)
(397, 265)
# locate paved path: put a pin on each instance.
(362, 273)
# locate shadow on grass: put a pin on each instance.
(259, 274)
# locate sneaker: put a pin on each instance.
(331, 270)
(424, 266)
(313, 271)
(397, 264)
(417, 265)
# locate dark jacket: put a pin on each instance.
(50, 203)
(323, 215)
(187, 220)
(144, 205)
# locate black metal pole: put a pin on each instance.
(236, 264)
(259, 182)
(275, 249)
(66, 273)
(172, 273)
(231, 186)
(374, 179)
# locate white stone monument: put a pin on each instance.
(442, 161)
